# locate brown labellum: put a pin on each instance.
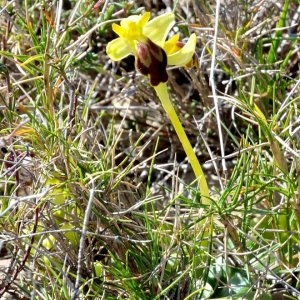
(152, 60)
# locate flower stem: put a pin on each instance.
(163, 95)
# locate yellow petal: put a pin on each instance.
(171, 46)
(185, 54)
(118, 49)
(118, 30)
(158, 28)
(144, 19)
(131, 28)
(141, 20)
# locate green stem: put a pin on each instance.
(163, 95)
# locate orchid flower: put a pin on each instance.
(146, 40)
